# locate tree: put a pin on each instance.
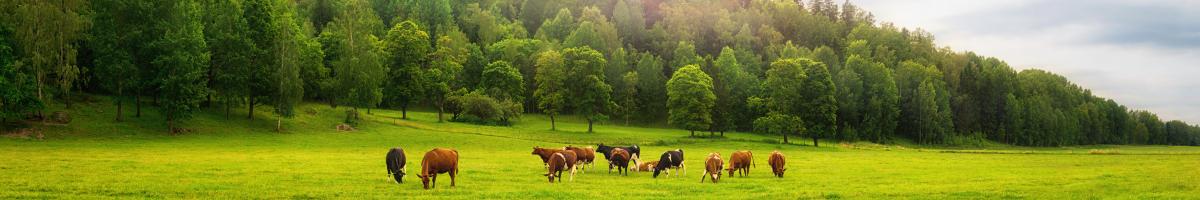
(690, 99)
(732, 85)
(590, 96)
(924, 103)
(629, 105)
(820, 111)
(181, 64)
(115, 36)
(358, 67)
(522, 54)
(652, 87)
(406, 47)
(434, 15)
(263, 33)
(557, 29)
(18, 92)
(288, 87)
(502, 81)
(684, 55)
(878, 101)
(783, 100)
(47, 32)
(551, 79)
(629, 20)
(446, 63)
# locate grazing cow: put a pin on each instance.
(437, 161)
(544, 153)
(670, 159)
(556, 166)
(586, 154)
(646, 166)
(777, 163)
(740, 161)
(395, 164)
(712, 167)
(620, 159)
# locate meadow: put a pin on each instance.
(230, 157)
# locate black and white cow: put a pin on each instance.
(635, 152)
(670, 159)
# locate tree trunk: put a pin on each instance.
(404, 112)
(67, 98)
(119, 109)
(170, 126)
(589, 125)
(815, 142)
(693, 133)
(228, 106)
(137, 104)
(722, 133)
(785, 139)
(250, 115)
(552, 122)
(278, 125)
(440, 110)
(368, 110)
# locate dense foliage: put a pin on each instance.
(803, 68)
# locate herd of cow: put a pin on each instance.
(569, 159)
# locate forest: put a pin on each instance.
(812, 69)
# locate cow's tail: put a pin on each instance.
(752, 161)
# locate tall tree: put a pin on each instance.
(502, 81)
(690, 99)
(783, 100)
(231, 51)
(406, 48)
(288, 87)
(924, 103)
(590, 96)
(262, 33)
(551, 80)
(820, 111)
(446, 64)
(878, 101)
(182, 60)
(358, 66)
(47, 32)
(18, 92)
(434, 15)
(652, 87)
(115, 42)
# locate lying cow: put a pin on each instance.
(670, 159)
(396, 164)
(646, 166)
(777, 163)
(437, 161)
(585, 154)
(556, 165)
(712, 167)
(619, 159)
(740, 161)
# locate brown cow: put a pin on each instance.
(556, 166)
(572, 162)
(646, 166)
(712, 167)
(619, 159)
(740, 161)
(436, 161)
(777, 163)
(586, 154)
(544, 153)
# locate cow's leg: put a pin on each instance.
(702, 177)
(452, 175)
(433, 180)
(573, 173)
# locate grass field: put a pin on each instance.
(231, 157)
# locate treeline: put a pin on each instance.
(813, 68)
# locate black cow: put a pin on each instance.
(670, 159)
(395, 164)
(635, 152)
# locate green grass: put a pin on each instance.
(232, 157)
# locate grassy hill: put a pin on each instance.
(232, 157)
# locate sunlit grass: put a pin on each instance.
(232, 157)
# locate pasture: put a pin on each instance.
(230, 157)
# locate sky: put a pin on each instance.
(1144, 54)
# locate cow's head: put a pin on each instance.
(550, 176)
(424, 181)
(716, 176)
(779, 172)
(536, 151)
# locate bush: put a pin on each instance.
(478, 108)
(352, 117)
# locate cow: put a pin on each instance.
(572, 162)
(556, 165)
(777, 163)
(620, 159)
(646, 166)
(670, 159)
(635, 152)
(396, 164)
(544, 153)
(712, 167)
(740, 161)
(437, 161)
(586, 155)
